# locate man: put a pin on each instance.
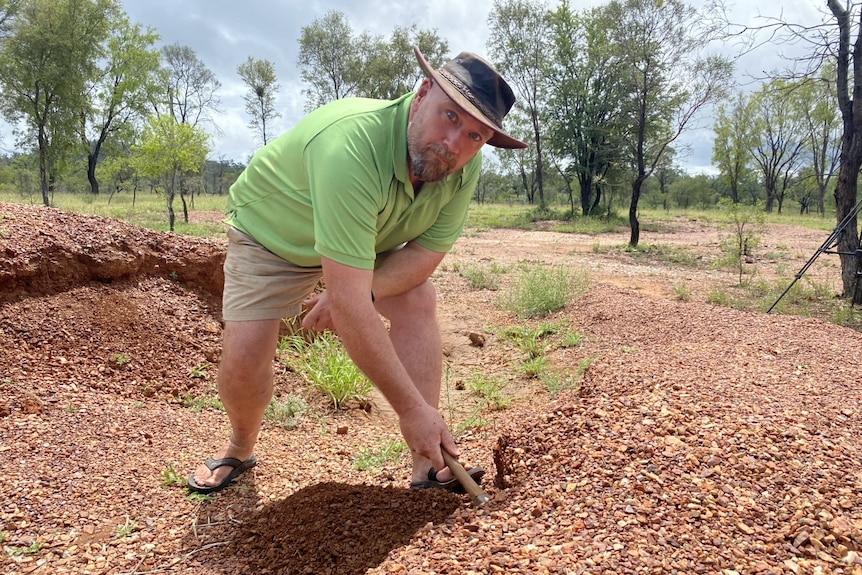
(371, 195)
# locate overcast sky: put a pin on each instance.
(224, 33)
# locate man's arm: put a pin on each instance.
(404, 269)
(346, 305)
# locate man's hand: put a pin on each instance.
(319, 316)
(425, 432)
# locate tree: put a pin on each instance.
(659, 45)
(336, 64)
(777, 134)
(849, 93)
(519, 43)
(8, 9)
(45, 64)
(390, 68)
(117, 98)
(584, 108)
(733, 142)
(328, 59)
(191, 91)
(259, 77)
(168, 150)
(822, 124)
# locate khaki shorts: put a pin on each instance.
(260, 285)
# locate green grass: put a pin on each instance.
(374, 459)
(481, 276)
(199, 403)
(541, 290)
(490, 390)
(285, 412)
(325, 365)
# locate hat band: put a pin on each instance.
(467, 93)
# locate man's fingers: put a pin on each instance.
(449, 446)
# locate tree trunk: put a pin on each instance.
(851, 148)
(633, 211)
(43, 165)
(540, 183)
(586, 185)
(170, 191)
(92, 157)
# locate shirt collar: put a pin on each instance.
(399, 150)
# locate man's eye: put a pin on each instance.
(451, 115)
(477, 137)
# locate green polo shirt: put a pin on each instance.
(337, 185)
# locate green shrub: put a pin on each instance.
(482, 277)
(285, 413)
(375, 459)
(490, 389)
(542, 290)
(325, 365)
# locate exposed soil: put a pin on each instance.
(700, 439)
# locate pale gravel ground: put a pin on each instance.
(701, 440)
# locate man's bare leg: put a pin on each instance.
(415, 335)
(245, 381)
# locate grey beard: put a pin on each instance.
(426, 165)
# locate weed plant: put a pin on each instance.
(325, 365)
(531, 341)
(170, 477)
(490, 390)
(390, 452)
(200, 402)
(682, 292)
(127, 528)
(286, 412)
(482, 277)
(541, 290)
(571, 339)
(18, 551)
(534, 367)
(744, 223)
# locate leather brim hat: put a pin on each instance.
(478, 88)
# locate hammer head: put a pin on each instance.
(480, 500)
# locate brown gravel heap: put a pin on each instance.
(701, 439)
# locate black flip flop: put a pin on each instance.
(239, 467)
(452, 485)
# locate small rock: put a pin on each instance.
(476, 339)
(31, 404)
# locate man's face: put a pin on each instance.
(441, 136)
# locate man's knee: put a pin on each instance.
(421, 300)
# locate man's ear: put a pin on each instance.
(424, 88)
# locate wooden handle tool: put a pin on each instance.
(472, 488)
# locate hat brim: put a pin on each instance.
(500, 139)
